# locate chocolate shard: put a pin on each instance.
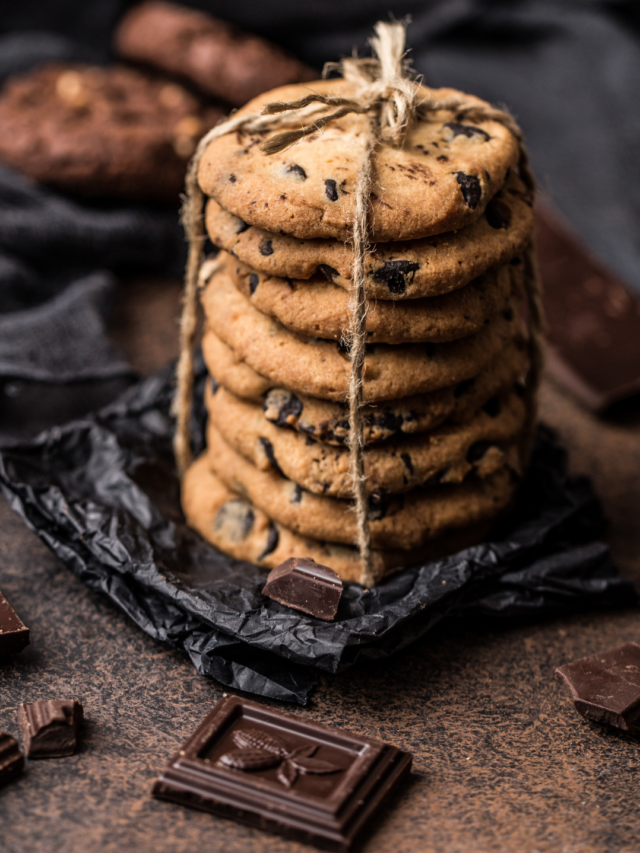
(283, 773)
(50, 728)
(11, 758)
(593, 318)
(14, 635)
(305, 585)
(605, 687)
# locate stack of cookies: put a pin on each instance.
(446, 353)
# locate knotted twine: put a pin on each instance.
(392, 99)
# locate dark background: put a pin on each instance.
(570, 71)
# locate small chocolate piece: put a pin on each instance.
(50, 728)
(283, 773)
(14, 635)
(305, 585)
(605, 687)
(11, 758)
(593, 318)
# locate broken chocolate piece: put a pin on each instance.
(283, 773)
(593, 318)
(11, 758)
(14, 635)
(605, 687)
(395, 273)
(50, 728)
(305, 585)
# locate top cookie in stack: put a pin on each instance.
(444, 417)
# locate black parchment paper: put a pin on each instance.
(102, 493)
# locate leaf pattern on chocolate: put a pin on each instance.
(249, 759)
(314, 765)
(255, 739)
(261, 751)
(287, 774)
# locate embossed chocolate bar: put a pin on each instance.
(283, 773)
(14, 635)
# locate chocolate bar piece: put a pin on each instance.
(218, 58)
(14, 635)
(305, 585)
(605, 687)
(283, 773)
(50, 728)
(593, 319)
(11, 758)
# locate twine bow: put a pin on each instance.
(389, 96)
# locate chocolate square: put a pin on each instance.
(14, 635)
(605, 687)
(305, 585)
(283, 773)
(50, 728)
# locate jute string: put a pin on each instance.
(392, 100)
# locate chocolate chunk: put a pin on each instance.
(14, 635)
(273, 538)
(50, 728)
(234, 519)
(282, 407)
(477, 451)
(498, 214)
(605, 687)
(266, 247)
(406, 461)
(464, 387)
(11, 758)
(593, 319)
(328, 272)
(305, 585)
(283, 773)
(254, 281)
(379, 501)
(395, 273)
(232, 179)
(492, 407)
(331, 190)
(269, 452)
(471, 189)
(468, 130)
(298, 171)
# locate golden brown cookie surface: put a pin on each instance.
(440, 180)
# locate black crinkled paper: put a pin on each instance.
(103, 494)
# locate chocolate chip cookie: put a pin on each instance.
(402, 270)
(113, 131)
(237, 527)
(440, 180)
(405, 521)
(445, 455)
(318, 308)
(321, 368)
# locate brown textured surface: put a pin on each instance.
(502, 762)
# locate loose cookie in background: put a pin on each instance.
(112, 132)
(397, 270)
(215, 56)
(440, 180)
